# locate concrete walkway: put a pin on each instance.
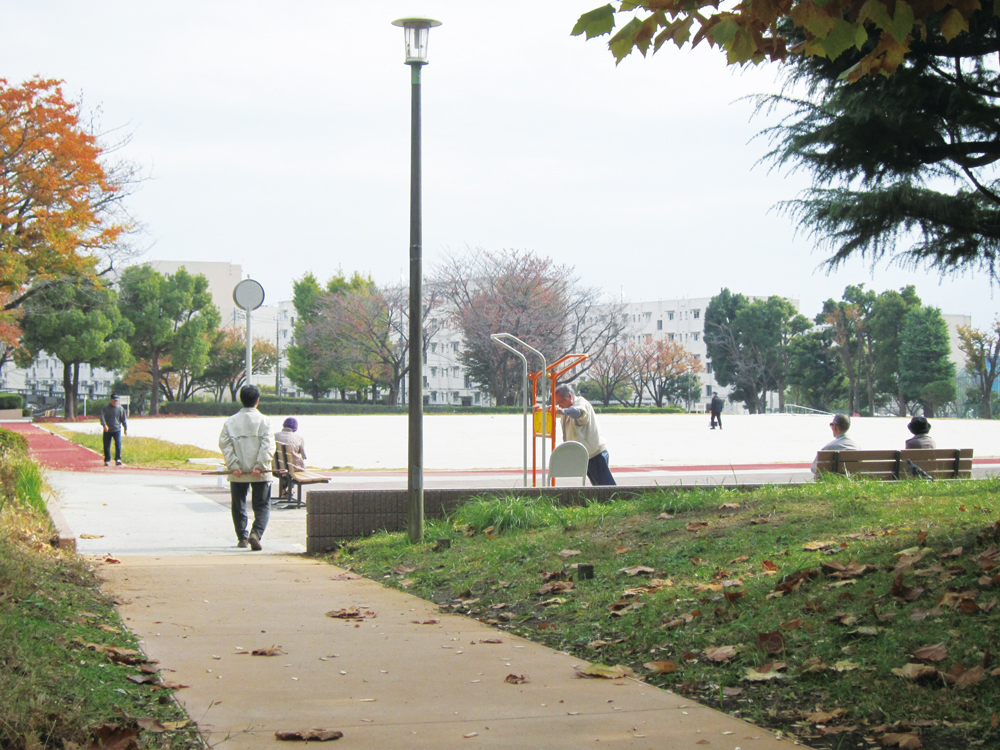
(399, 675)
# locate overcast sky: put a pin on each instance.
(276, 135)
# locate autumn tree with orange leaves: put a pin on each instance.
(60, 196)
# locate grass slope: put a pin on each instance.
(147, 453)
(844, 614)
(71, 674)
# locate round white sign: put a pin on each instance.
(248, 294)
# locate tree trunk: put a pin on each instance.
(68, 406)
(154, 390)
(901, 411)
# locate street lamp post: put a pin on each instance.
(416, 32)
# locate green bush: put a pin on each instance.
(11, 401)
(13, 443)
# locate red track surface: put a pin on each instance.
(54, 452)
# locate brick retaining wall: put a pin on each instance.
(333, 516)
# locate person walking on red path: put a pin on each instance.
(716, 409)
(115, 423)
(247, 445)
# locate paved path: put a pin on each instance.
(403, 675)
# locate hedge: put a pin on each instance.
(297, 406)
(11, 401)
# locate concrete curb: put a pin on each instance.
(64, 534)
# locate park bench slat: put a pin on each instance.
(940, 463)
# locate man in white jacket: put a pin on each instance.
(247, 445)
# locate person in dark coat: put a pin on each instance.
(919, 426)
(716, 409)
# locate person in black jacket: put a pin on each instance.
(716, 409)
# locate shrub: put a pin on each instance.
(12, 443)
(11, 401)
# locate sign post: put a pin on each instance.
(248, 295)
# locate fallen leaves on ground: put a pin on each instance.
(660, 667)
(309, 735)
(555, 587)
(769, 671)
(569, 553)
(813, 546)
(516, 679)
(350, 613)
(113, 737)
(720, 653)
(935, 652)
(904, 741)
(916, 671)
(273, 651)
(604, 671)
(638, 570)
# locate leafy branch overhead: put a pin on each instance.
(753, 31)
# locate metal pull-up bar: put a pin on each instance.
(498, 338)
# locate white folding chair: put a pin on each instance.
(569, 459)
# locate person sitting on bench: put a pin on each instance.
(840, 424)
(295, 442)
(919, 426)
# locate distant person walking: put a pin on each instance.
(115, 423)
(716, 408)
(840, 424)
(919, 426)
(247, 445)
(579, 423)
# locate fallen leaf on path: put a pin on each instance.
(432, 621)
(352, 613)
(142, 679)
(569, 553)
(310, 735)
(491, 640)
(516, 679)
(273, 651)
(605, 672)
(470, 735)
(111, 560)
(91, 536)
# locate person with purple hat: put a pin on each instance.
(295, 442)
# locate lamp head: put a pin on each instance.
(416, 31)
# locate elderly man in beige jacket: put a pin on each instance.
(247, 445)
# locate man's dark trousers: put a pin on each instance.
(117, 437)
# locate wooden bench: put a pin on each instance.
(938, 463)
(291, 477)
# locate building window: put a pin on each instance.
(708, 390)
(648, 316)
(697, 314)
(434, 347)
(454, 346)
(670, 336)
(659, 325)
(708, 368)
(670, 315)
(696, 337)
(468, 381)
(434, 372)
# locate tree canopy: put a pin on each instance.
(883, 32)
(58, 196)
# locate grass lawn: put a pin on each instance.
(844, 614)
(146, 453)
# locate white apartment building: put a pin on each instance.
(683, 321)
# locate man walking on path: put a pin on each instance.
(114, 422)
(247, 446)
(716, 409)
(579, 423)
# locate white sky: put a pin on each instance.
(276, 135)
